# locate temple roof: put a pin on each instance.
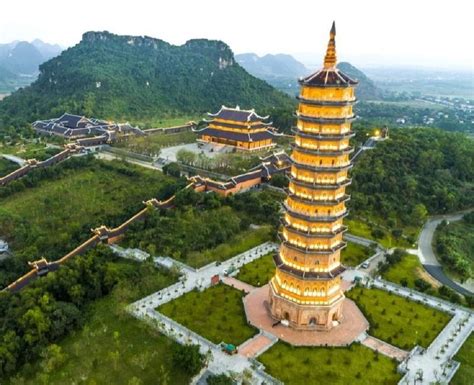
(238, 115)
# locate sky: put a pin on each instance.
(436, 33)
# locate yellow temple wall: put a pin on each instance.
(313, 127)
(318, 160)
(322, 194)
(315, 210)
(321, 144)
(319, 176)
(311, 243)
(310, 262)
(328, 93)
(318, 227)
(325, 111)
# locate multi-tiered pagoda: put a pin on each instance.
(242, 129)
(306, 289)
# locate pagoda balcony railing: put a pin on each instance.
(308, 275)
(322, 136)
(322, 151)
(327, 120)
(321, 186)
(314, 218)
(320, 202)
(312, 251)
(314, 234)
(319, 102)
(315, 167)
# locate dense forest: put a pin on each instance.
(137, 79)
(417, 172)
(454, 244)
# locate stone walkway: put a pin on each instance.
(435, 363)
(385, 348)
(245, 287)
(256, 346)
(351, 326)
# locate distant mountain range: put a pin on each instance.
(138, 79)
(20, 60)
(282, 71)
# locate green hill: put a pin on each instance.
(366, 90)
(138, 79)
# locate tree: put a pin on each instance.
(188, 358)
(220, 379)
(172, 169)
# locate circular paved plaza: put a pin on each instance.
(352, 325)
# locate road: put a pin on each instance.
(427, 256)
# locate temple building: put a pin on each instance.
(305, 292)
(72, 127)
(242, 129)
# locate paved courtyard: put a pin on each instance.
(211, 150)
(353, 323)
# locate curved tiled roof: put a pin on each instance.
(329, 77)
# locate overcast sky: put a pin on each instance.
(399, 32)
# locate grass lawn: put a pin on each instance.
(6, 167)
(151, 144)
(356, 365)
(238, 244)
(217, 314)
(112, 347)
(354, 254)
(465, 356)
(57, 214)
(398, 321)
(409, 269)
(258, 272)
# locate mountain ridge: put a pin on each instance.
(139, 78)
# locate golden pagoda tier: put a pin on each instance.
(306, 289)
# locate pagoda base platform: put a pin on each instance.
(351, 325)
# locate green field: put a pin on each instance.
(55, 215)
(354, 254)
(112, 346)
(408, 269)
(362, 229)
(356, 365)
(6, 167)
(259, 272)
(396, 320)
(216, 313)
(241, 242)
(465, 356)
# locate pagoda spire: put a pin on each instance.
(330, 58)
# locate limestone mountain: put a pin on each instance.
(272, 66)
(139, 78)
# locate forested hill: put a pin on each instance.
(138, 78)
(366, 90)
